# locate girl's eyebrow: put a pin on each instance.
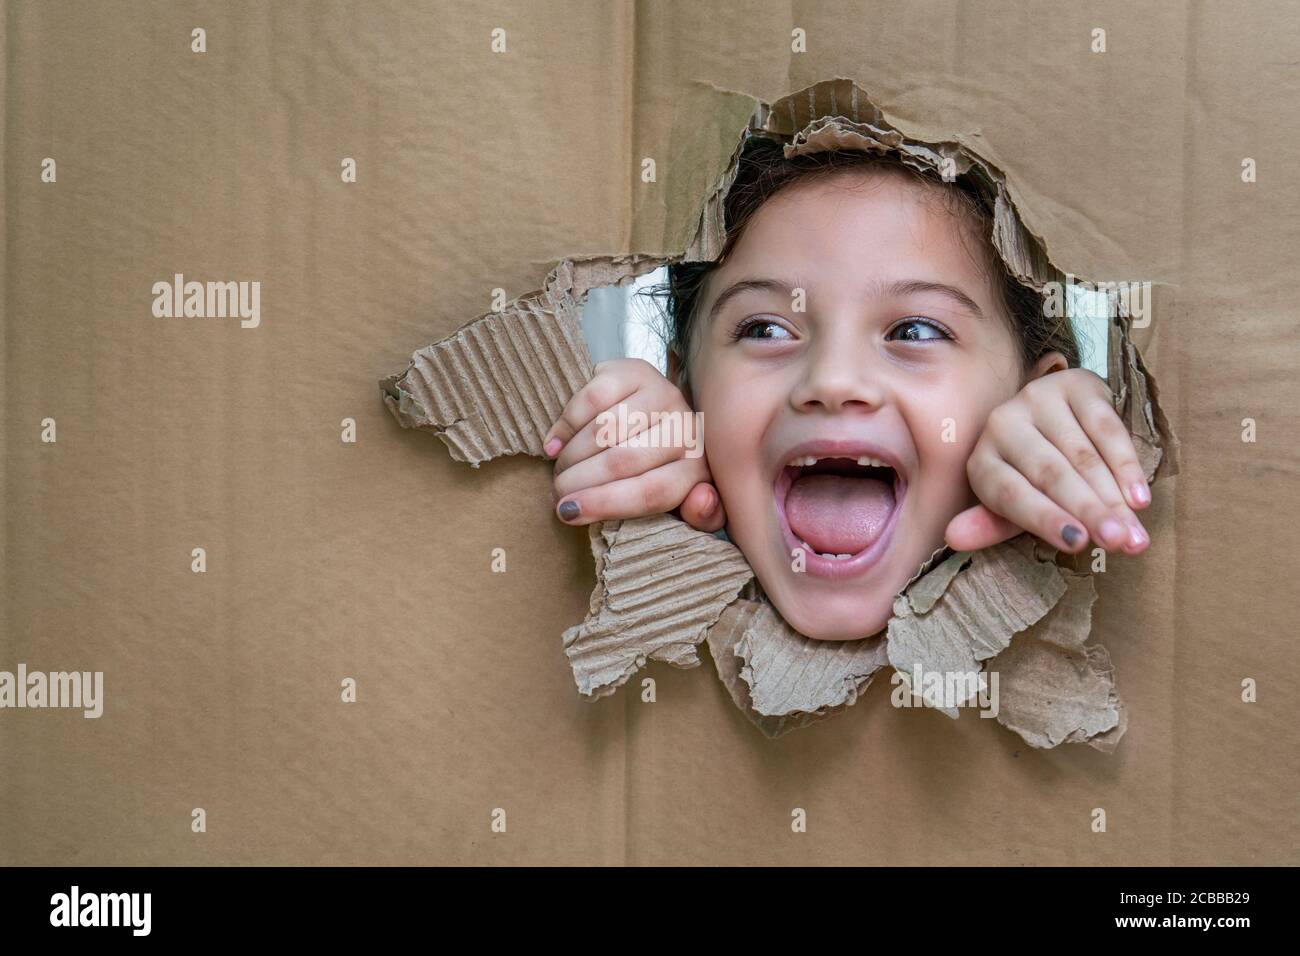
(905, 287)
(747, 285)
(896, 289)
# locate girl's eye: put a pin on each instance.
(915, 329)
(758, 328)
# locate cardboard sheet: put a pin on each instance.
(489, 146)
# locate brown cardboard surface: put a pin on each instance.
(479, 171)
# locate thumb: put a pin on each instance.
(977, 528)
(702, 508)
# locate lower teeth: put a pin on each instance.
(833, 557)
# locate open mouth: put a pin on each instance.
(839, 510)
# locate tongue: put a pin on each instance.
(836, 514)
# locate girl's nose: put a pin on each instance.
(839, 377)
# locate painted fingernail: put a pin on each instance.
(1071, 535)
(1113, 533)
(1140, 492)
(552, 447)
(569, 510)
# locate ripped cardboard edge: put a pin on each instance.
(496, 385)
(660, 585)
(1056, 688)
(736, 643)
(1052, 686)
(837, 114)
(966, 611)
(1137, 401)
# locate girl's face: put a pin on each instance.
(893, 355)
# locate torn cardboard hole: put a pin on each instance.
(495, 386)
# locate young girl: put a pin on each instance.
(872, 383)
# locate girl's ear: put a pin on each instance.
(1051, 362)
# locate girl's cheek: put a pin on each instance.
(724, 432)
(944, 433)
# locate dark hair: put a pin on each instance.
(764, 170)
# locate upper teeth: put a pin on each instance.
(865, 460)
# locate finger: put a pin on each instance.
(1044, 466)
(626, 418)
(656, 492)
(977, 528)
(702, 509)
(1111, 437)
(644, 452)
(603, 391)
(1061, 427)
(1008, 493)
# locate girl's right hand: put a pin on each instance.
(600, 475)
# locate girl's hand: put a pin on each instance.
(1058, 462)
(599, 479)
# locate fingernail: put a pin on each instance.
(1071, 535)
(569, 510)
(1113, 533)
(1140, 492)
(1138, 537)
(552, 447)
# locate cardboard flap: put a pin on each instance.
(1054, 689)
(660, 585)
(967, 609)
(788, 673)
(744, 616)
(1137, 400)
(495, 386)
(836, 114)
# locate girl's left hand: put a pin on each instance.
(1058, 462)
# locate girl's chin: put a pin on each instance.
(828, 621)
(855, 603)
